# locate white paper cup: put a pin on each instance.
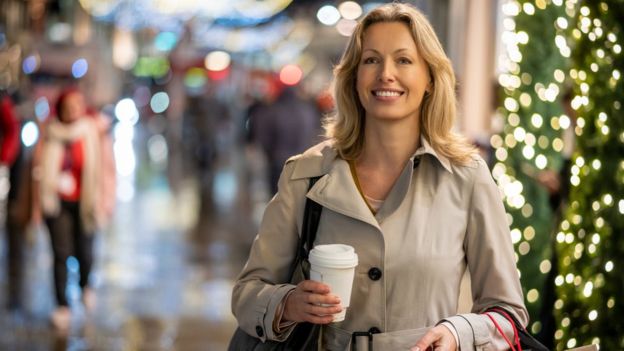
(334, 265)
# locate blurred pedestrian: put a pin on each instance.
(9, 150)
(203, 120)
(283, 128)
(68, 170)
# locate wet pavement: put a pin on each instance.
(163, 271)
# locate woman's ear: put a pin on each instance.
(429, 88)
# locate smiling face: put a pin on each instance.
(392, 76)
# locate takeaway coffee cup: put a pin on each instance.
(334, 265)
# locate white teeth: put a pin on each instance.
(387, 93)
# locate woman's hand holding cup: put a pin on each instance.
(312, 302)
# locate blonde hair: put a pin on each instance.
(438, 109)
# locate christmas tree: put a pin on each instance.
(531, 143)
(590, 240)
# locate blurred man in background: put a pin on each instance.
(284, 128)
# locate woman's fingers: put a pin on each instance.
(311, 302)
(427, 340)
(323, 310)
(316, 299)
(318, 293)
(314, 287)
(438, 338)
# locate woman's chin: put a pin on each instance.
(391, 117)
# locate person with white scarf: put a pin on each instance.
(68, 173)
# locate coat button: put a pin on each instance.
(374, 330)
(374, 273)
(259, 331)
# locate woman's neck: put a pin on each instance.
(388, 145)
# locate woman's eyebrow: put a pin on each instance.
(395, 51)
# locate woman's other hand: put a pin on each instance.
(312, 302)
(439, 338)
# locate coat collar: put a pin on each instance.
(336, 189)
(320, 158)
(426, 148)
(314, 162)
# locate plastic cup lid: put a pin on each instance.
(334, 256)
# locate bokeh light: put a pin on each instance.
(125, 159)
(291, 74)
(30, 134)
(42, 108)
(80, 68)
(328, 15)
(159, 102)
(157, 148)
(126, 111)
(30, 64)
(165, 41)
(99, 8)
(195, 78)
(217, 61)
(346, 27)
(350, 10)
(125, 52)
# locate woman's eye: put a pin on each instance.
(370, 60)
(405, 61)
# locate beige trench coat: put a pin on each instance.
(438, 219)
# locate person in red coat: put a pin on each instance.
(69, 174)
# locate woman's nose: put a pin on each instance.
(387, 72)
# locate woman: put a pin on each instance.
(413, 199)
(68, 168)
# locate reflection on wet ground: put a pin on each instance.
(163, 272)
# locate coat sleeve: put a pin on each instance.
(263, 282)
(490, 257)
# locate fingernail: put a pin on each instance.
(415, 348)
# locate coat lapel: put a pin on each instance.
(397, 193)
(337, 192)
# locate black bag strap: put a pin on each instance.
(311, 219)
(309, 226)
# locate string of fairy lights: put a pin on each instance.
(584, 238)
(534, 137)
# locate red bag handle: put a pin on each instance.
(500, 330)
